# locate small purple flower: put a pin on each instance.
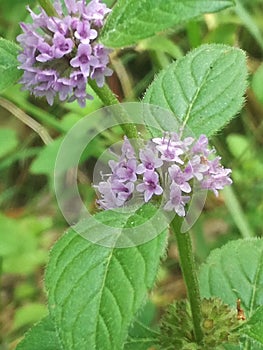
(161, 140)
(66, 44)
(122, 191)
(150, 185)
(72, 6)
(127, 149)
(170, 152)
(100, 71)
(216, 177)
(201, 146)
(96, 11)
(180, 178)
(177, 201)
(217, 182)
(62, 45)
(124, 170)
(84, 33)
(84, 59)
(114, 193)
(187, 142)
(150, 161)
(108, 198)
(196, 168)
(46, 52)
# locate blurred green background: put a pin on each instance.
(30, 220)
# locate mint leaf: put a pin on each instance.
(42, 337)
(8, 63)
(141, 337)
(133, 20)
(236, 271)
(95, 291)
(254, 327)
(204, 89)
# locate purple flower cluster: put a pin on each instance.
(166, 166)
(60, 53)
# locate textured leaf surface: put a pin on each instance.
(254, 326)
(204, 89)
(95, 291)
(141, 335)
(42, 337)
(236, 271)
(8, 63)
(141, 338)
(132, 20)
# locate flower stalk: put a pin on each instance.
(188, 268)
(109, 99)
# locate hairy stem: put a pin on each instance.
(188, 267)
(108, 98)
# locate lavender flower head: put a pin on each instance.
(166, 166)
(60, 53)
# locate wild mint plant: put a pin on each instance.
(96, 292)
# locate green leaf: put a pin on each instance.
(8, 64)
(204, 89)
(95, 291)
(236, 271)
(42, 337)
(254, 327)
(143, 337)
(132, 20)
(8, 141)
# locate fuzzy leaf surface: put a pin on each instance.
(204, 90)
(95, 291)
(132, 20)
(42, 337)
(8, 63)
(236, 271)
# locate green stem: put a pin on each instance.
(188, 267)
(109, 99)
(48, 7)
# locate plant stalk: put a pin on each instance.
(108, 98)
(188, 267)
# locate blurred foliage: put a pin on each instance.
(30, 220)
